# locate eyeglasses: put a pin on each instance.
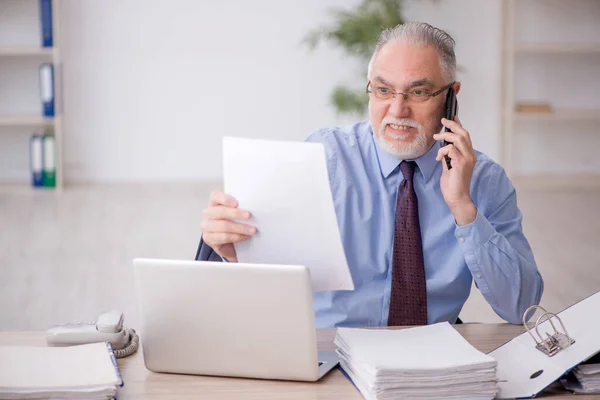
(415, 96)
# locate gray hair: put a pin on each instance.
(421, 34)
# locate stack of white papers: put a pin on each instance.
(78, 372)
(584, 379)
(429, 362)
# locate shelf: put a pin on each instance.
(559, 115)
(20, 51)
(25, 121)
(554, 181)
(557, 48)
(18, 119)
(24, 188)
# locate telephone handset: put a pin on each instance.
(107, 328)
(451, 111)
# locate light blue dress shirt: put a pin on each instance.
(492, 250)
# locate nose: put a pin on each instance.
(399, 107)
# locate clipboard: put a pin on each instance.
(550, 349)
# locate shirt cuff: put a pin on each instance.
(474, 235)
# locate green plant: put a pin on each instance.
(357, 33)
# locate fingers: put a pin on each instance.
(458, 141)
(222, 212)
(459, 159)
(459, 137)
(217, 226)
(449, 151)
(456, 128)
(218, 198)
(225, 226)
(220, 238)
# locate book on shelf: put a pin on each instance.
(47, 89)
(42, 160)
(36, 163)
(523, 107)
(45, 10)
(49, 170)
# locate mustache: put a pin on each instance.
(401, 121)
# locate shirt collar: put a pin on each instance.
(388, 163)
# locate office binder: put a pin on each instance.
(47, 89)
(36, 160)
(49, 173)
(548, 350)
(45, 9)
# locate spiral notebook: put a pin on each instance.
(87, 371)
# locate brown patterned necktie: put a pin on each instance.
(408, 298)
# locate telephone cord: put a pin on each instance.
(132, 346)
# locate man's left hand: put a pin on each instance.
(456, 182)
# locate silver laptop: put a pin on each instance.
(228, 319)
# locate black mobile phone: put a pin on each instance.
(451, 111)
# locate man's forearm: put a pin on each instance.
(509, 281)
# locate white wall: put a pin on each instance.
(151, 86)
(566, 81)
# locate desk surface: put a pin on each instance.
(143, 384)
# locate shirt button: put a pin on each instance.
(478, 276)
(461, 239)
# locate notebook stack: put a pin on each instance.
(429, 362)
(88, 371)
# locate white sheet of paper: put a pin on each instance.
(285, 187)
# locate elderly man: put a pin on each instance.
(415, 232)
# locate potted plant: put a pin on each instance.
(357, 33)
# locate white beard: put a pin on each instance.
(406, 151)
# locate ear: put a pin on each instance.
(457, 87)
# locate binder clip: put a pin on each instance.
(554, 343)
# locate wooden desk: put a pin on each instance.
(143, 384)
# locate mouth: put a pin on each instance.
(400, 130)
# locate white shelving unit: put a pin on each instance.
(26, 120)
(20, 51)
(554, 48)
(551, 49)
(559, 115)
(11, 123)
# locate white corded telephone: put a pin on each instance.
(108, 328)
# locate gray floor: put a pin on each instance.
(68, 257)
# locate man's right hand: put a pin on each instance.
(218, 231)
